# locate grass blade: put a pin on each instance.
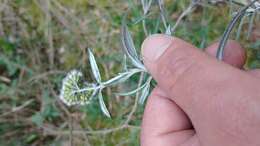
(250, 26)
(240, 28)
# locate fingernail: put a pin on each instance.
(154, 46)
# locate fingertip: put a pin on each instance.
(159, 50)
(154, 46)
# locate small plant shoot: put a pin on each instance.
(76, 91)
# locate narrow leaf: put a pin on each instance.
(125, 63)
(223, 42)
(138, 89)
(103, 105)
(132, 92)
(128, 46)
(128, 42)
(146, 5)
(162, 12)
(242, 2)
(94, 66)
(168, 30)
(144, 94)
(121, 77)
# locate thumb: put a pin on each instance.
(182, 71)
(214, 95)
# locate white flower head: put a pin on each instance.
(72, 92)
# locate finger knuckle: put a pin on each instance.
(177, 68)
(181, 66)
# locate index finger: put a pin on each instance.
(164, 123)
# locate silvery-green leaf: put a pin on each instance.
(128, 42)
(103, 105)
(243, 2)
(124, 63)
(128, 46)
(121, 77)
(162, 12)
(250, 10)
(94, 66)
(71, 84)
(141, 18)
(144, 94)
(136, 90)
(160, 3)
(132, 92)
(146, 5)
(168, 30)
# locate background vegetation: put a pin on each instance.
(40, 40)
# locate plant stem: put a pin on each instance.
(106, 84)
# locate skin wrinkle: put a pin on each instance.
(182, 62)
(151, 101)
(185, 135)
(165, 48)
(193, 141)
(166, 72)
(184, 73)
(175, 130)
(190, 131)
(163, 97)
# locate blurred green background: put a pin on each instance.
(41, 40)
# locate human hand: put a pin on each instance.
(199, 101)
